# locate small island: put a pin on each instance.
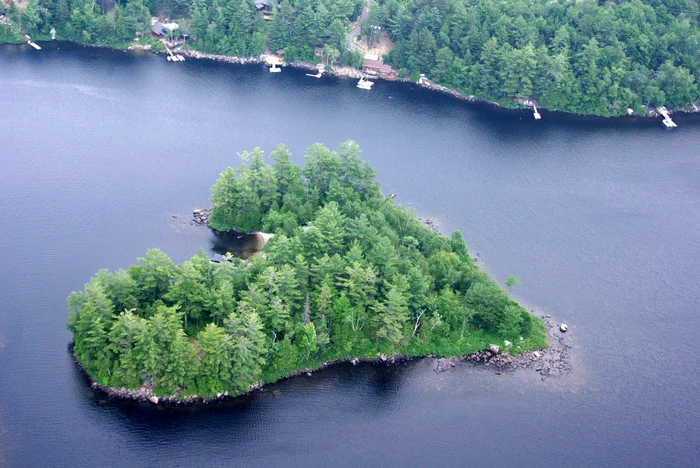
(347, 276)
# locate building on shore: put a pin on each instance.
(377, 68)
(157, 29)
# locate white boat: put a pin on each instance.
(364, 84)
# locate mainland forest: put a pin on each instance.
(347, 274)
(589, 57)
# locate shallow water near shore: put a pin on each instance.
(599, 218)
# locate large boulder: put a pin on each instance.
(494, 348)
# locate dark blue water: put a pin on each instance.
(599, 219)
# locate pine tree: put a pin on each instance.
(390, 317)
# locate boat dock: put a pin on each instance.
(668, 122)
(273, 61)
(317, 75)
(536, 114)
(29, 41)
(172, 57)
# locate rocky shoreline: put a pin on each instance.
(551, 362)
(340, 72)
(201, 216)
(347, 72)
(145, 392)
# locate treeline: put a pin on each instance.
(82, 21)
(228, 27)
(575, 56)
(297, 26)
(347, 274)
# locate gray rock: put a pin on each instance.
(442, 364)
(494, 348)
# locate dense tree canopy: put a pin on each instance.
(230, 27)
(584, 56)
(347, 274)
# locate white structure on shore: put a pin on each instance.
(668, 122)
(364, 84)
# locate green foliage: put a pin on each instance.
(364, 277)
(583, 57)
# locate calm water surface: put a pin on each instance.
(600, 220)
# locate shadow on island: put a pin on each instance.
(238, 244)
(367, 387)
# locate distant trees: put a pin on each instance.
(347, 274)
(585, 57)
(230, 27)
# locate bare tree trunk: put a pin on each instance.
(306, 317)
(415, 328)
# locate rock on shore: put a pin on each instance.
(201, 216)
(553, 361)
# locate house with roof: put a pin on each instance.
(377, 68)
(262, 5)
(157, 29)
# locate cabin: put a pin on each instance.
(262, 6)
(280, 54)
(318, 51)
(377, 68)
(157, 30)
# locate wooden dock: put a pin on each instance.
(536, 114)
(668, 122)
(29, 41)
(172, 57)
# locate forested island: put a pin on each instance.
(347, 275)
(586, 57)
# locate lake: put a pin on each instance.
(105, 154)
